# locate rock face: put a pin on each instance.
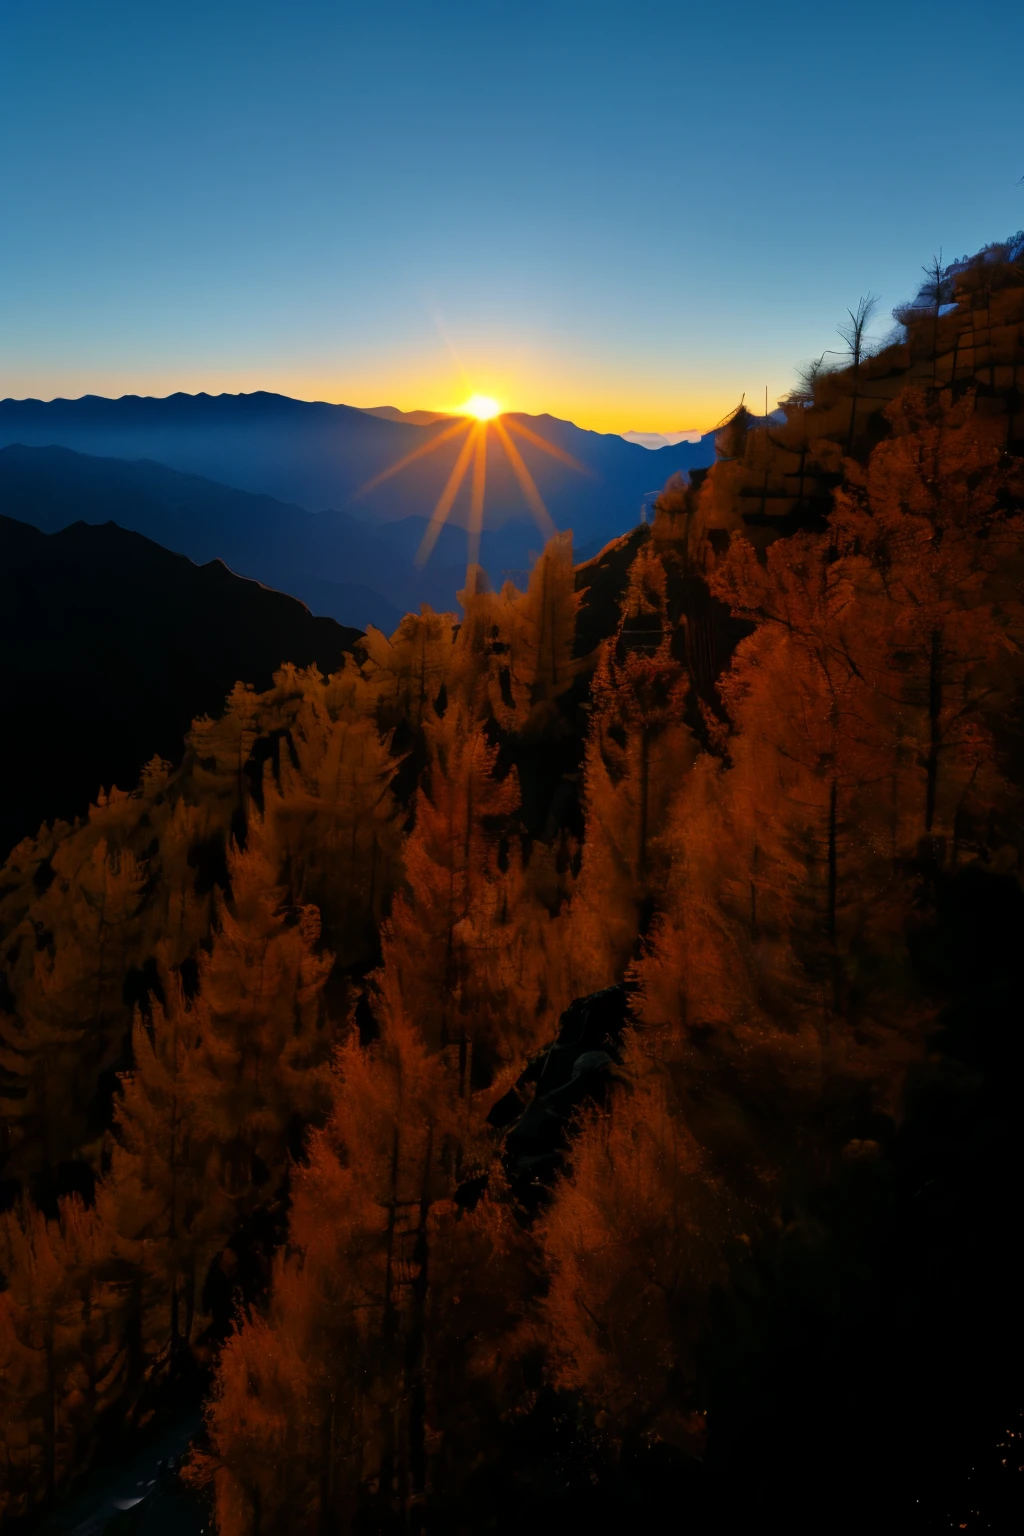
(575, 1070)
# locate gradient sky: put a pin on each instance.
(626, 214)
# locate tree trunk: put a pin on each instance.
(644, 777)
(190, 1303)
(934, 734)
(326, 1523)
(49, 1418)
(389, 1331)
(753, 895)
(853, 408)
(833, 889)
(416, 1357)
(833, 796)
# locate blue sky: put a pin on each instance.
(626, 214)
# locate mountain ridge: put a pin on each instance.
(317, 455)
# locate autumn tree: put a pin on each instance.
(638, 750)
(542, 637)
(935, 520)
(408, 671)
(334, 1399)
(263, 1037)
(330, 820)
(632, 1243)
(61, 1347)
(160, 1199)
(66, 989)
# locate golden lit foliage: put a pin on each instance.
(369, 1346)
(262, 1033)
(631, 1243)
(407, 672)
(457, 940)
(638, 753)
(330, 822)
(161, 1201)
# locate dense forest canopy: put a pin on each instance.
(567, 1059)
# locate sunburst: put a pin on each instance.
(476, 420)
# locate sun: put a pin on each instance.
(483, 407)
(477, 420)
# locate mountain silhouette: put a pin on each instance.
(414, 418)
(356, 572)
(112, 646)
(331, 561)
(317, 455)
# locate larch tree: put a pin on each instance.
(639, 749)
(61, 1347)
(69, 1019)
(454, 883)
(340, 1377)
(264, 1039)
(811, 753)
(632, 1242)
(160, 1198)
(408, 672)
(330, 821)
(542, 636)
(935, 521)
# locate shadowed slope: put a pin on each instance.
(112, 646)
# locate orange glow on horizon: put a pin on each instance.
(588, 401)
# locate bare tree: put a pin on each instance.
(934, 290)
(853, 333)
(807, 376)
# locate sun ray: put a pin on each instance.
(446, 500)
(476, 505)
(417, 453)
(527, 484)
(555, 452)
(478, 412)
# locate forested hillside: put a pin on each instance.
(562, 1067)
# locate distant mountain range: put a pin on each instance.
(414, 418)
(317, 456)
(111, 647)
(242, 478)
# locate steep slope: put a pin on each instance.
(772, 479)
(111, 647)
